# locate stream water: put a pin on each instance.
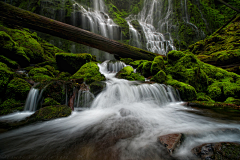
(123, 123)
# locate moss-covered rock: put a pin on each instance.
(41, 70)
(187, 92)
(49, 102)
(10, 49)
(127, 73)
(18, 89)
(126, 60)
(97, 87)
(10, 105)
(136, 63)
(233, 101)
(203, 97)
(5, 76)
(50, 112)
(160, 77)
(90, 73)
(69, 62)
(10, 63)
(64, 76)
(157, 65)
(174, 56)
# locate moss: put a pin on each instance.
(5, 76)
(126, 60)
(233, 101)
(203, 97)
(174, 56)
(40, 71)
(187, 92)
(146, 69)
(49, 102)
(10, 105)
(9, 62)
(50, 112)
(136, 63)
(127, 73)
(90, 73)
(64, 76)
(71, 63)
(160, 77)
(157, 65)
(18, 89)
(10, 49)
(29, 45)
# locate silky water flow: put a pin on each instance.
(123, 122)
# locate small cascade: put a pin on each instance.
(115, 66)
(135, 36)
(83, 97)
(32, 100)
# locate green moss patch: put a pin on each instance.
(90, 73)
(127, 73)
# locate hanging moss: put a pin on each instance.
(90, 73)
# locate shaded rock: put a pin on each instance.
(218, 151)
(69, 62)
(170, 141)
(97, 87)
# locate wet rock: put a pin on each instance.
(97, 87)
(124, 112)
(171, 141)
(218, 151)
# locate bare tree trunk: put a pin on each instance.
(11, 14)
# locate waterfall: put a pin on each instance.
(85, 98)
(156, 41)
(32, 100)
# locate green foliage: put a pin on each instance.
(136, 63)
(90, 73)
(71, 63)
(64, 76)
(127, 73)
(39, 71)
(18, 89)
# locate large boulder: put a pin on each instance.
(69, 62)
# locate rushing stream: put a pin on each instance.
(122, 123)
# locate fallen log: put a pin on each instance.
(14, 15)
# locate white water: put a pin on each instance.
(32, 100)
(123, 122)
(156, 41)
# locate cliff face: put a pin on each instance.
(182, 22)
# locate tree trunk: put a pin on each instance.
(11, 14)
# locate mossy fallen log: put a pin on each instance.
(13, 15)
